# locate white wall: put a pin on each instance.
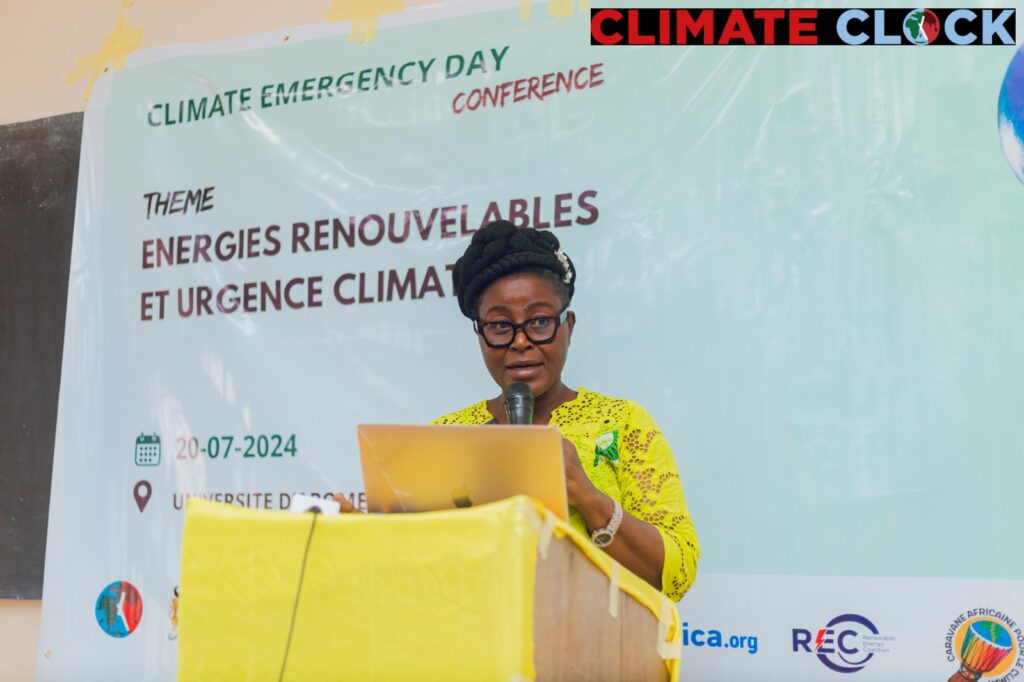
(19, 638)
(44, 41)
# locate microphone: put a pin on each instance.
(519, 403)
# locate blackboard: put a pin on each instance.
(38, 183)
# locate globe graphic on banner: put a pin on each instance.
(1011, 114)
(921, 26)
(119, 609)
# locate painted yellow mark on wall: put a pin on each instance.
(364, 15)
(122, 40)
(556, 8)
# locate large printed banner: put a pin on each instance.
(805, 262)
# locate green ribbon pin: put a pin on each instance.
(607, 445)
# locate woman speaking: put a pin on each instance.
(622, 482)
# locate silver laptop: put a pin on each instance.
(430, 468)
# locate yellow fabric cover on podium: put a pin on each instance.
(440, 595)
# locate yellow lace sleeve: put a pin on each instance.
(474, 414)
(652, 492)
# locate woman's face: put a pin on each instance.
(517, 298)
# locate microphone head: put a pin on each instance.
(518, 388)
(518, 403)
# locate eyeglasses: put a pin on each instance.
(539, 330)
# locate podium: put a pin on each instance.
(504, 591)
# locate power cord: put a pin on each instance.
(295, 609)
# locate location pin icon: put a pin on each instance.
(143, 490)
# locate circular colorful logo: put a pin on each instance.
(1011, 114)
(119, 609)
(921, 26)
(987, 644)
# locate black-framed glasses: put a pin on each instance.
(539, 330)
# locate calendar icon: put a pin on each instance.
(147, 450)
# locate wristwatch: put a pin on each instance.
(602, 537)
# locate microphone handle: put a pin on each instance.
(519, 410)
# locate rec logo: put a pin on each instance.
(846, 644)
(804, 26)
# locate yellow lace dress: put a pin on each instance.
(627, 458)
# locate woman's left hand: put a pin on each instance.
(637, 545)
(583, 495)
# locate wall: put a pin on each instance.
(53, 51)
(46, 41)
(19, 632)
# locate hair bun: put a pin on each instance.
(499, 249)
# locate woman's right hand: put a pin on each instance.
(346, 506)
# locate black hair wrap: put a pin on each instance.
(499, 249)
